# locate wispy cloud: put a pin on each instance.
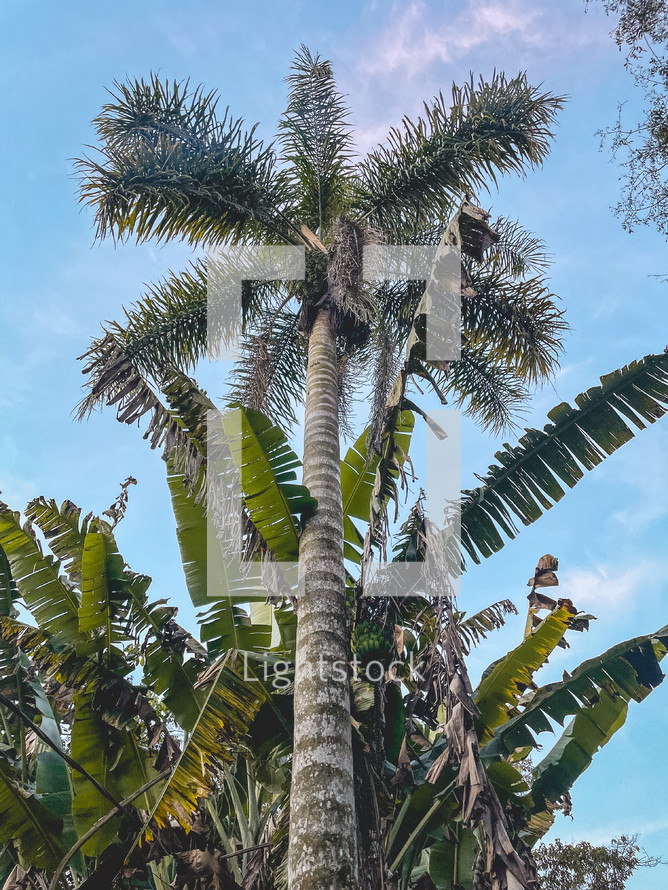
(609, 586)
(412, 41)
(416, 48)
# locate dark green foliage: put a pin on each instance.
(584, 866)
(529, 478)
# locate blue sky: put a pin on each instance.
(56, 286)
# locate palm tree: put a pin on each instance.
(171, 168)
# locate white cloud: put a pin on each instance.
(412, 45)
(608, 586)
(412, 42)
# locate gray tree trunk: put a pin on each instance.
(322, 852)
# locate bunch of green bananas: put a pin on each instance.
(373, 642)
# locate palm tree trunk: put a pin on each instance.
(322, 802)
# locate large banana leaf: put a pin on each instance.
(11, 673)
(229, 705)
(54, 605)
(629, 670)
(53, 782)
(268, 472)
(95, 611)
(64, 529)
(359, 480)
(499, 691)
(113, 757)
(225, 624)
(26, 821)
(529, 478)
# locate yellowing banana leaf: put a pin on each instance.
(499, 691)
(530, 478)
(227, 711)
(629, 670)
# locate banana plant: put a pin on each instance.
(88, 765)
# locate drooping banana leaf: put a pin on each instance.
(54, 605)
(530, 477)
(53, 782)
(629, 670)
(499, 691)
(27, 822)
(11, 671)
(228, 707)
(360, 481)
(225, 624)
(268, 480)
(113, 757)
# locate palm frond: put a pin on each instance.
(518, 252)
(490, 393)
(496, 127)
(516, 321)
(170, 168)
(115, 379)
(270, 375)
(315, 140)
(529, 478)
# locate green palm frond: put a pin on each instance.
(316, 141)
(168, 324)
(115, 379)
(490, 393)
(496, 127)
(517, 322)
(529, 478)
(170, 168)
(518, 252)
(270, 376)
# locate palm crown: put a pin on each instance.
(171, 167)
